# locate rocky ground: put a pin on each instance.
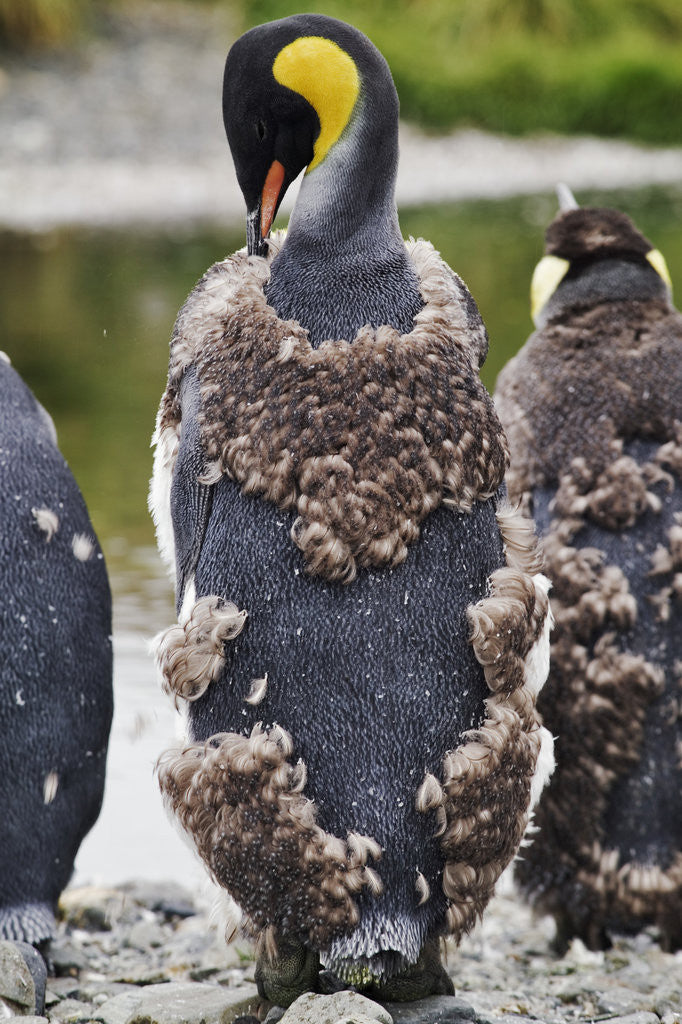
(127, 129)
(145, 954)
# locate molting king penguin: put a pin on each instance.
(362, 629)
(592, 405)
(56, 699)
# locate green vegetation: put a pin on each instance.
(604, 67)
(40, 23)
(607, 67)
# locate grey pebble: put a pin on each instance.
(619, 1001)
(179, 1003)
(433, 1010)
(636, 1018)
(26, 1019)
(338, 1008)
(17, 988)
(72, 1011)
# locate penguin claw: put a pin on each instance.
(286, 976)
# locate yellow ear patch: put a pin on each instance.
(546, 277)
(657, 261)
(320, 71)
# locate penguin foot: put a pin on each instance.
(286, 976)
(427, 977)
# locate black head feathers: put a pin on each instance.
(291, 89)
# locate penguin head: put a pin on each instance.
(292, 89)
(592, 255)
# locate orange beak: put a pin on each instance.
(270, 195)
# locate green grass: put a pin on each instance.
(607, 67)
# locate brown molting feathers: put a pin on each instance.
(618, 364)
(611, 890)
(362, 440)
(190, 655)
(241, 800)
(490, 782)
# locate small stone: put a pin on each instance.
(164, 898)
(509, 1018)
(620, 1001)
(433, 1010)
(179, 1003)
(17, 989)
(311, 1008)
(275, 1015)
(72, 1011)
(66, 958)
(90, 907)
(119, 1009)
(667, 1000)
(26, 1020)
(636, 1018)
(146, 935)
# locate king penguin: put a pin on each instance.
(592, 405)
(362, 627)
(56, 697)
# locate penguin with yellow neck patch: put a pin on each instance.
(592, 406)
(362, 628)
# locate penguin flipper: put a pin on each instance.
(190, 500)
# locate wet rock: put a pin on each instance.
(433, 1010)
(17, 988)
(179, 1003)
(339, 1008)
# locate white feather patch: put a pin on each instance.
(166, 443)
(544, 766)
(537, 659)
(47, 521)
(82, 546)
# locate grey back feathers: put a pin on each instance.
(55, 667)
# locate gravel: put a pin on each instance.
(150, 954)
(127, 130)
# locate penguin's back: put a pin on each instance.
(374, 681)
(55, 638)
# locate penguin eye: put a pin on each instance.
(260, 129)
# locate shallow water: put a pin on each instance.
(86, 318)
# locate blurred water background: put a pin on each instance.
(86, 315)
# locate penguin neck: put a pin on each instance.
(349, 199)
(604, 281)
(344, 262)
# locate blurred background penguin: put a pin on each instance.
(56, 698)
(592, 405)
